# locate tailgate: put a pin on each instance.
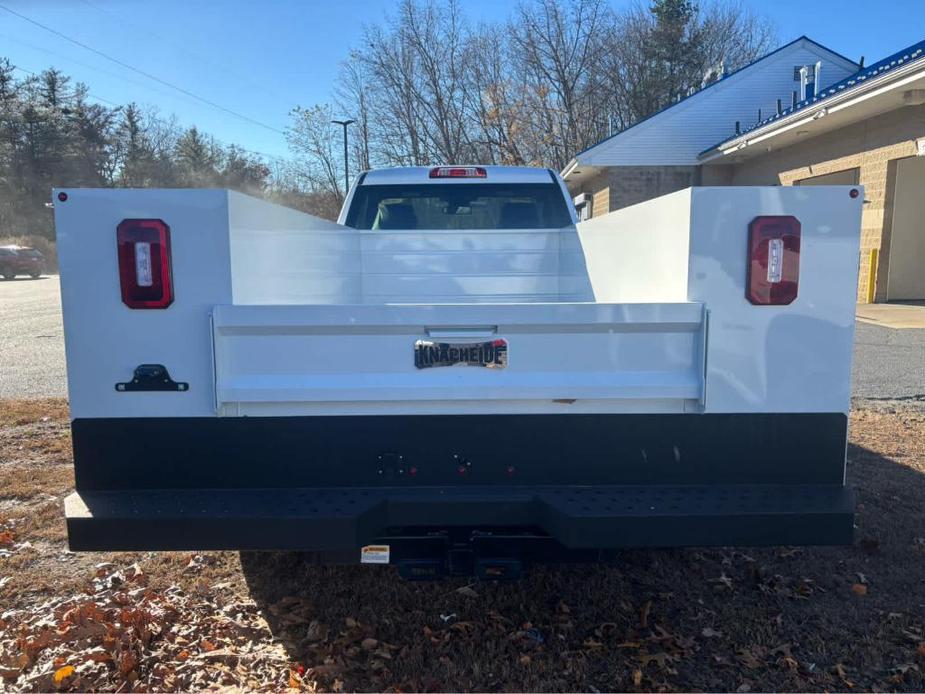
(299, 359)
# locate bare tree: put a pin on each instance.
(317, 147)
(671, 49)
(352, 99)
(495, 105)
(434, 34)
(560, 41)
(559, 75)
(399, 131)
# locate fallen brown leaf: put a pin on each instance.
(843, 675)
(62, 673)
(644, 614)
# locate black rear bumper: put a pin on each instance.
(332, 520)
(577, 482)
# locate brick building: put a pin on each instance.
(853, 125)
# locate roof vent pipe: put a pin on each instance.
(738, 128)
(817, 78)
(779, 107)
(861, 63)
(793, 100)
(804, 74)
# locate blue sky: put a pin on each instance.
(261, 58)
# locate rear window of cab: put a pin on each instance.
(458, 206)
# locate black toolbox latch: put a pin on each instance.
(151, 377)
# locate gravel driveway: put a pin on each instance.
(888, 364)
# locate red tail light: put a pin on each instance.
(773, 260)
(458, 172)
(144, 263)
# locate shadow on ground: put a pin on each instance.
(713, 619)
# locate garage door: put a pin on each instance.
(848, 177)
(906, 279)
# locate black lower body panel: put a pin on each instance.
(571, 482)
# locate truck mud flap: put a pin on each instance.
(330, 519)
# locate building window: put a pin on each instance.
(582, 203)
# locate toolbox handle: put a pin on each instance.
(462, 331)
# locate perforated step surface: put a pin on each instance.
(344, 518)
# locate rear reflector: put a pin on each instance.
(144, 263)
(773, 260)
(458, 172)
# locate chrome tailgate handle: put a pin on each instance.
(453, 332)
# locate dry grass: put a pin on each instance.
(18, 412)
(716, 619)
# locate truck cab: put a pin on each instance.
(459, 376)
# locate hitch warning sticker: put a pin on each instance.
(374, 554)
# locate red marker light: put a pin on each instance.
(773, 274)
(144, 263)
(854, 192)
(458, 172)
(62, 196)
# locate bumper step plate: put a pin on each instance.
(332, 519)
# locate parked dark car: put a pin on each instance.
(17, 260)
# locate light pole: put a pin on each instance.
(345, 123)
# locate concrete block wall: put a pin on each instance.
(873, 147)
(622, 186)
(600, 201)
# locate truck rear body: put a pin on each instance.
(613, 382)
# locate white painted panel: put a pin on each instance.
(305, 354)
(285, 257)
(639, 253)
(280, 255)
(104, 339)
(487, 266)
(794, 358)
(637, 349)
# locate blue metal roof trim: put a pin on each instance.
(914, 52)
(712, 84)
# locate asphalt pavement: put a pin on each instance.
(889, 364)
(31, 339)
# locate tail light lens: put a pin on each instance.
(773, 260)
(458, 172)
(144, 263)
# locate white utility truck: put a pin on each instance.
(458, 376)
